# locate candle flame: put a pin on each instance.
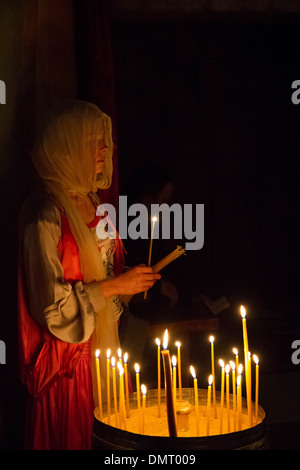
(137, 368)
(238, 381)
(119, 353)
(210, 380)
(227, 368)
(178, 344)
(232, 365)
(235, 351)
(113, 361)
(211, 339)
(154, 219)
(255, 358)
(97, 353)
(240, 369)
(165, 341)
(125, 358)
(174, 361)
(108, 353)
(243, 311)
(143, 389)
(221, 362)
(192, 370)
(121, 370)
(157, 342)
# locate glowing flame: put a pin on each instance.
(154, 219)
(210, 380)
(97, 353)
(238, 381)
(255, 358)
(108, 353)
(121, 370)
(178, 344)
(174, 361)
(211, 339)
(192, 370)
(227, 369)
(125, 358)
(119, 353)
(235, 351)
(232, 365)
(143, 389)
(243, 311)
(113, 361)
(157, 342)
(136, 368)
(240, 369)
(221, 362)
(165, 341)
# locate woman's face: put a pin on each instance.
(100, 154)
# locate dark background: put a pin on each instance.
(207, 96)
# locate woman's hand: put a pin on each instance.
(135, 280)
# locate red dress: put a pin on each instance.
(56, 374)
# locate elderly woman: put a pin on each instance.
(70, 282)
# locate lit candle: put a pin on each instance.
(174, 384)
(137, 376)
(255, 358)
(122, 397)
(126, 385)
(154, 219)
(239, 402)
(239, 392)
(113, 363)
(192, 370)
(249, 394)
(97, 354)
(246, 348)
(158, 377)
(235, 351)
(120, 356)
(144, 391)
(222, 394)
(178, 344)
(210, 381)
(108, 384)
(227, 369)
(168, 387)
(232, 365)
(211, 339)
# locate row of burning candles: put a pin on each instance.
(122, 411)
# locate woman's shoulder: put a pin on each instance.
(40, 207)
